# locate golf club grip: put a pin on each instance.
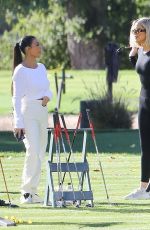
(78, 123)
(57, 117)
(92, 130)
(58, 121)
(67, 135)
(65, 128)
(56, 82)
(63, 121)
(90, 124)
(54, 119)
(59, 94)
(56, 128)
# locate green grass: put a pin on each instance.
(128, 86)
(121, 174)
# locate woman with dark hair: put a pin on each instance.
(30, 95)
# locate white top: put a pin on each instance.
(28, 84)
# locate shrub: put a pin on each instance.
(47, 27)
(107, 114)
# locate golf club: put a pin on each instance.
(73, 140)
(57, 145)
(97, 152)
(123, 48)
(64, 149)
(9, 204)
(72, 154)
(59, 93)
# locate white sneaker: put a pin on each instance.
(36, 199)
(26, 198)
(60, 204)
(138, 194)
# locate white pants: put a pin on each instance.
(36, 122)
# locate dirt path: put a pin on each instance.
(6, 122)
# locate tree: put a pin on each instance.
(143, 8)
(46, 24)
(118, 24)
(14, 7)
(81, 28)
(91, 24)
(85, 32)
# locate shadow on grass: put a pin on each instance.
(79, 225)
(121, 207)
(122, 204)
(100, 207)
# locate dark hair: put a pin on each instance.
(20, 47)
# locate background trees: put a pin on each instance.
(72, 32)
(45, 21)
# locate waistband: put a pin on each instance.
(35, 101)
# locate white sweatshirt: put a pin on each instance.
(28, 84)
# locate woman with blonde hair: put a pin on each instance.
(140, 58)
(31, 94)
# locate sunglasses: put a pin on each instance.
(137, 31)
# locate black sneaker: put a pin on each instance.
(26, 198)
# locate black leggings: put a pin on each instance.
(144, 130)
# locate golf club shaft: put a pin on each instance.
(57, 144)
(71, 153)
(97, 152)
(100, 165)
(5, 181)
(56, 82)
(68, 139)
(64, 149)
(59, 94)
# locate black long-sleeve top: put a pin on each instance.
(142, 66)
